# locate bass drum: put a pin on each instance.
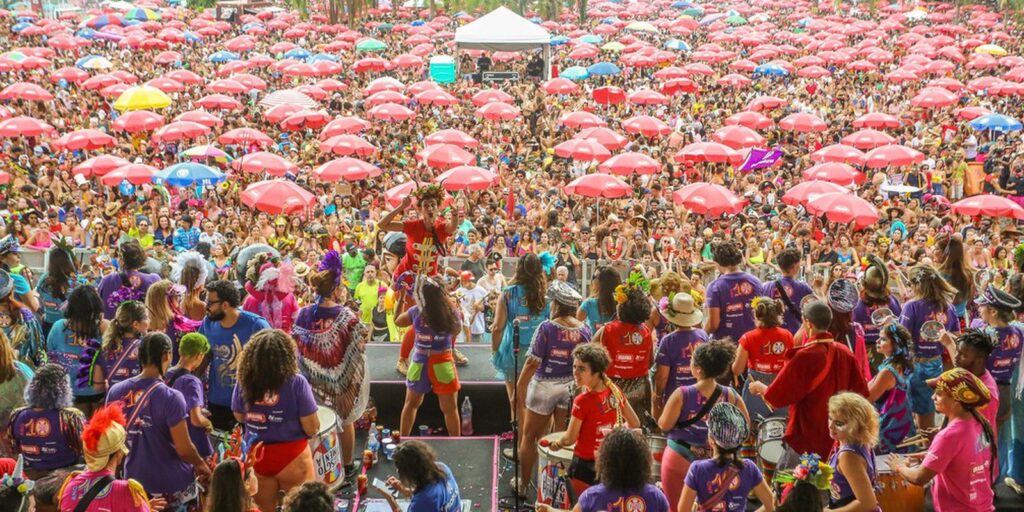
(894, 493)
(553, 485)
(326, 448)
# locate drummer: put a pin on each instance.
(761, 352)
(874, 296)
(960, 458)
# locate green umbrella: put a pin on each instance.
(736, 19)
(693, 12)
(384, 27)
(370, 45)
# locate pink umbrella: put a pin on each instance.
(262, 161)
(647, 126)
(581, 120)
(179, 130)
(491, 96)
(451, 136)
(99, 165)
(708, 152)
(708, 199)
(436, 97)
(598, 185)
(625, 164)
(219, 102)
(23, 126)
(166, 85)
(876, 120)
(867, 138)
(892, 155)
(245, 136)
(347, 145)
(990, 206)
(391, 112)
(407, 61)
(934, 97)
(136, 174)
(202, 117)
(750, 119)
(678, 85)
(838, 153)
(227, 86)
(835, 172)
(395, 195)
(969, 113)
(609, 95)
(801, 122)
(380, 98)
(466, 177)
(71, 75)
(383, 84)
(445, 156)
(604, 136)
(766, 103)
(138, 121)
(734, 81)
(345, 168)
(277, 197)
(84, 139)
(807, 190)
(496, 111)
(344, 125)
(185, 76)
(648, 97)
(738, 137)
(25, 91)
(560, 86)
(844, 209)
(585, 150)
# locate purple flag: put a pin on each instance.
(761, 158)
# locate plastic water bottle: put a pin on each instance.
(372, 443)
(467, 417)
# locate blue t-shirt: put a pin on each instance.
(438, 496)
(594, 317)
(21, 286)
(50, 304)
(65, 348)
(226, 346)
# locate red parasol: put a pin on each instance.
(346, 168)
(892, 155)
(23, 126)
(138, 121)
(801, 122)
(491, 96)
(625, 164)
(934, 97)
(560, 86)
(25, 91)
(585, 150)
(262, 161)
(136, 174)
(451, 136)
(303, 119)
(581, 120)
(835, 172)
(277, 197)
(343, 126)
(219, 102)
(466, 177)
(382, 97)
(445, 156)
(609, 95)
(179, 130)
(84, 139)
(867, 138)
(496, 111)
(876, 120)
(708, 199)
(738, 137)
(245, 136)
(436, 97)
(750, 119)
(599, 185)
(99, 165)
(708, 152)
(604, 136)
(395, 195)
(201, 117)
(647, 126)
(844, 208)
(347, 145)
(990, 206)
(391, 112)
(648, 97)
(805, 191)
(766, 103)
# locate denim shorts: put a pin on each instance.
(920, 394)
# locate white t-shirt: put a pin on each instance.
(467, 298)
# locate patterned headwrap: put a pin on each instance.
(963, 386)
(727, 425)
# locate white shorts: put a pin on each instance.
(544, 396)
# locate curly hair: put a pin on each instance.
(727, 253)
(50, 389)
(637, 309)
(266, 364)
(122, 326)
(902, 346)
(594, 355)
(417, 465)
(530, 275)
(437, 310)
(714, 358)
(768, 312)
(860, 417)
(624, 460)
(308, 497)
(133, 256)
(978, 340)
(84, 313)
(668, 285)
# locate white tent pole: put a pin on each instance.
(547, 62)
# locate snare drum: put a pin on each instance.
(894, 493)
(657, 445)
(326, 448)
(770, 445)
(552, 473)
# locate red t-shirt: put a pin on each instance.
(630, 347)
(767, 348)
(596, 410)
(421, 254)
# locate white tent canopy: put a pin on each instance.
(504, 30)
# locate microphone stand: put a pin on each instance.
(516, 504)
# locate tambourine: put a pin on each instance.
(932, 330)
(882, 316)
(982, 278)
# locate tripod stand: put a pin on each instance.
(514, 503)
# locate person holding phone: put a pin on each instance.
(429, 485)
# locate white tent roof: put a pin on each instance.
(502, 30)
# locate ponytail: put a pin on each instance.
(991, 438)
(726, 457)
(620, 399)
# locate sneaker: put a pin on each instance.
(460, 359)
(521, 491)
(1012, 484)
(507, 453)
(402, 366)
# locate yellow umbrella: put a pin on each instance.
(613, 46)
(642, 26)
(142, 97)
(991, 49)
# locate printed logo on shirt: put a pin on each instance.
(741, 290)
(634, 338)
(1011, 342)
(255, 417)
(269, 400)
(635, 504)
(560, 352)
(732, 308)
(39, 427)
(776, 348)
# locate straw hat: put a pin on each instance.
(682, 311)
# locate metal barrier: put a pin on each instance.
(37, 260)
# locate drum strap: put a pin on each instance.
(730, 475)
(788, 302)
(93, 492)
(703, 410)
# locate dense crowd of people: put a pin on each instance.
(184, 340)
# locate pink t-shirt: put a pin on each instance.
(961, 458)
(117, 497)
(991, 410)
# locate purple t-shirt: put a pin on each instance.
(599, 498)
(842, 493)
(40, 437)
(191, 388)
(120, 365)
(705, 476)
(427, 340)
(732, 294)
(553, 345)
(674, 351)
(862, 315)
(916, 313)
(796, 291)
(1004, 358)
(275, 419)
(153, 460)
(693, 402)
(138, 282)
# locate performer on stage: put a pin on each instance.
(332, 353)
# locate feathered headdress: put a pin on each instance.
(63, 243)
(255, 265)
(18, 481)
(104, 435)
(547, 261)
(237, 446)
(282, 277)
(332, 261)
(635, 281)
(190, 259)
(431, 191)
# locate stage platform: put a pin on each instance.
(488, 396)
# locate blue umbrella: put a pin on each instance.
(297, 54)
(322, 57)
(604, 68)
(537, 20)
(610, 20)
(677, 44)
(252, 25)
(997, 123)
(592, 39)
(85, 33)
(575, 73)
(771, 70)
(417, 23)
(223, 56)
(681, 4)
(18, 27)
(188, 174)
(192, 37)
(711, 18)
(559, 40)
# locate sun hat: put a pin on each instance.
(727, 426)
(682, 310)
(9, 244)
(963, 386)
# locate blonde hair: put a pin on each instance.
(7, 357)
(158, 304)
(860, 416)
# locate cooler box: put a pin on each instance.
(442, 69)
